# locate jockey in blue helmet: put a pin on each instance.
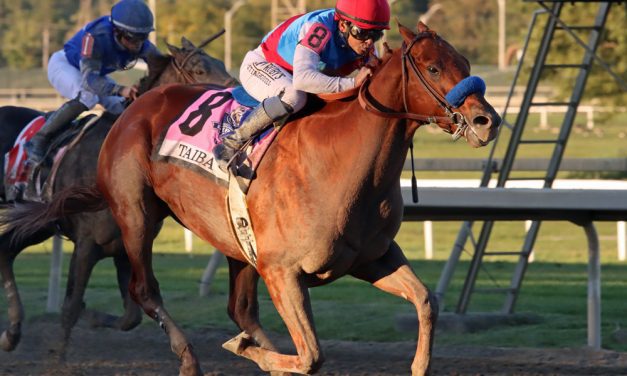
(80, 70)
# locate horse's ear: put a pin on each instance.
(173, 50)
(406, 33)
(387, 51)
(422, 28)
(186, 44)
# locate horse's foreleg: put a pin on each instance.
(10, 337)
(392, 273)
(291, 300)
(244, 306)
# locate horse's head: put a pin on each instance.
(188, 64)
(432, 65)
(196, 66)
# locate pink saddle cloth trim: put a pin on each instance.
(190, 139)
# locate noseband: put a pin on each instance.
(452, 117)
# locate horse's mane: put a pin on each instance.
(156, 65)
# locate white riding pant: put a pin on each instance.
(262, 80)
(68, 81)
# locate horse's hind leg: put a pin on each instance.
(11, 336)
(291, 300)
(138, 212)
(85, 256)
(132, 314)
(392, 273)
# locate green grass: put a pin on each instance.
(38, 78)
(608, 139)
(349, 309)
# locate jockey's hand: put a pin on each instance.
(129, 92)
(362, 75)
(373, 61)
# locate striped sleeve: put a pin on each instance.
(87, 45)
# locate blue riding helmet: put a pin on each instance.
(133, 16)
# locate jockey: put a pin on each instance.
(309, 53)
(80, 69)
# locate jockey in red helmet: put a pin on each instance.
(309, 53)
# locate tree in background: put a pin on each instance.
(4, 25)
(21, 39)
(251, 23)
(193, 19)
(27, 25)
(612, 49)
(407, 13)
(470, 25)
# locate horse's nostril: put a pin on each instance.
(481, 120)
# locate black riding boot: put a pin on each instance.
(36, 147)
(267, 112)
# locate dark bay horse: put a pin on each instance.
(326, 201)
(95, 235)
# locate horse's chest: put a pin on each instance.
(374, 217)
(367, 233)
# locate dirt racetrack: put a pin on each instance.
(144, 351)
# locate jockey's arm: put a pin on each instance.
(309, 79)
(94, 82)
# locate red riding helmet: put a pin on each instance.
(369, 14)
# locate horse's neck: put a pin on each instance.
(383, 142)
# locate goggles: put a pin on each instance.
(365, 34)
(133, 37)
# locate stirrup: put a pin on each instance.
(224, 161)
(225, 164)
(31, 191)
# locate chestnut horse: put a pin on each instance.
(95, 235)
(326, 201)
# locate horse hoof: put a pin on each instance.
(189, 363)
(9, 341)
(100, 319)
(239, 343)
(125, 324)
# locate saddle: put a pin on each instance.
(17, 170)
(190, 139)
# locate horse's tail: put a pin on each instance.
(26, 218)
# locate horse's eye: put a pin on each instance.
(433, 70)
(200, 72)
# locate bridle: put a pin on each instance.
(188, 78)
(452, 117)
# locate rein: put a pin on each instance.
(180, 67)
(367, 101)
